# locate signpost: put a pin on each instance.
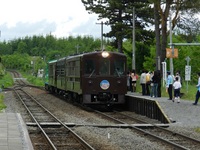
(187, 71)
(164, 72)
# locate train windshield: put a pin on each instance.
(119, 66)
(89, 67)
(104, 68)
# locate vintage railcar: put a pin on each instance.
(91, 78)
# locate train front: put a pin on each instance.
(104, 79)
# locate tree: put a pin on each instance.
(189, 28)
(22, 47)
(172, 8)
(119, 15)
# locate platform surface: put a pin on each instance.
(13, 133)
(181, 114)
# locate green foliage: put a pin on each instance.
(141, 52)
(6, 80)
(17, 61)
(46, 46)
(33, 80)
(2, 70)
(2, 105)
(149, 63)
(197, 130)
(119, 14)
(22, 47)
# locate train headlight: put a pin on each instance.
(105, 54)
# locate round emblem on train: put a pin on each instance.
(104, 84)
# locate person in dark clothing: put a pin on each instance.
(159, 83)
(198, 90)
(129, 82)
(155, 84)
(169, 84)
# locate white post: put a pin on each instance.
(171, 46)
(164, 69)
(133, 55)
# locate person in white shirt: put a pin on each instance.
(177, 86)
(143, 82)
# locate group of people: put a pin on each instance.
(176, 85)
(151, 84)
(132, 78)
(173, 83)
(149, 81)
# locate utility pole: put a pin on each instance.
(133, 55)
(171, 46)
(77, 48)
(101, 34)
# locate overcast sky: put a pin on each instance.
(61, 18)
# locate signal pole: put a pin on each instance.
(101, 33)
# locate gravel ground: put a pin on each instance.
(184, 113)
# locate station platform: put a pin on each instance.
(180, 114)
(13, 133)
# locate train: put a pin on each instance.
(92, 78)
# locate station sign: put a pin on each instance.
(171, 53)
(187, 73)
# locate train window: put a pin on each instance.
(89, 67)
(104, 68)
(71, 68)
(119, 66)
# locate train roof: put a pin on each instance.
(82, 54)
(52, 61)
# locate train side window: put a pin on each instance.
(89, 67)
(104, 68)
(119, 66)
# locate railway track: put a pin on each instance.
(61, 137)
(169, 138)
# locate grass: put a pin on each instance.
(33, 80)
(5, 81)
(2, 105)
(197, 130)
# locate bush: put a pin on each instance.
(2, 105)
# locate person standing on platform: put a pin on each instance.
(134, 78)
(159, 83)
(169, 85)
(177, 87)
(143, 82)
(148, 82)
(155, 79)
(198, 90)
(128, 81)
(151, 85)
